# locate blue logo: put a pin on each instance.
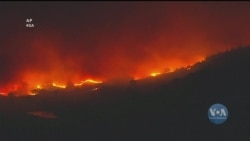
(217, 113)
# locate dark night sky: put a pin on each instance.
(76, 40)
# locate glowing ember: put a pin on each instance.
(43, 114)
(91, 81)
(38, 87)
(95, 89)
(155, 74)
(32, 94)
(188, 67)
(202, 59)
(3, 94)
(59, 86)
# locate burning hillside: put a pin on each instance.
(71, 44)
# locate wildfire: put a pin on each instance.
(153, 74)
(59, 85)
(38, 87)
(202, 59)
(32, 94)
(95, 89)
(136, 78)
(33, 84)
(91, 81)
(3, 94)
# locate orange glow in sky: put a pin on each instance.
(112, 41)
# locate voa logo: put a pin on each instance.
(217, 113)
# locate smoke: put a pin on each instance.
(80, 40)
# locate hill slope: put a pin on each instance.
(152, 109)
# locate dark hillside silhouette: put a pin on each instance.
(172, 106)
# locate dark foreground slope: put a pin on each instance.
(158, 109)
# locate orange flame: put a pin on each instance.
(95, 89)
(59, 85)
(91, 81)
(3, 94)
(38, 86)
(37, 81)
(153, 74)
(32, 94)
